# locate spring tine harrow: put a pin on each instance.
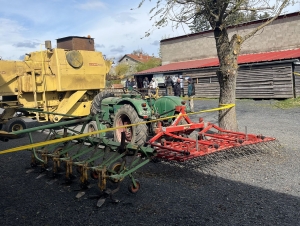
(174, 143)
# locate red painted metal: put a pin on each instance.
(213, 62)
(174, 143)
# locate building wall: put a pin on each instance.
(282, 34)
(297, 80)
(259, 81)
(132, 64)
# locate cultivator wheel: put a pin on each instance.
(92, 127)
(15, 124)
(137, 134)
(116, 168)
(134, 187)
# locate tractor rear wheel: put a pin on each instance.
(15, 124)
(96, 104)
(134, 134)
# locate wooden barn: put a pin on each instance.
(269, 64)
(273, 74)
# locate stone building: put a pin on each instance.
(268, 65)
(133, 60)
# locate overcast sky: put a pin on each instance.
(25, 25)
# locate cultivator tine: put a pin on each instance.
(80, 194)
(108, 193)
(40, 176)
(100, 202)
(29, 170)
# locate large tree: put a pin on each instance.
(218, 14)
(198, 24)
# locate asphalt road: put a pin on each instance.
(257, 189)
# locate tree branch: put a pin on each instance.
(234, 9)
(283, 5)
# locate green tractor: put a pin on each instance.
(134, 108)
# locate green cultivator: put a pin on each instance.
(93, 156)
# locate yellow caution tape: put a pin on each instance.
(64, 139)
(296, 73)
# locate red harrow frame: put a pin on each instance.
(175, 143)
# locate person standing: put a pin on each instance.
(146, 83)
(191, 93)
(131, 85)
(127, 83)
(145, 86)
(181, 86)
(177, 88)
(169, 85)
(153, 85)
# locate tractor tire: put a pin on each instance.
(91, 127)
(96, 104)
(126, 115)
(15, 124)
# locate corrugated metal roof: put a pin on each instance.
(213, 62)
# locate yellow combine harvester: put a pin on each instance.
(62, 80)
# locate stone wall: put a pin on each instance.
(282, 34)
(131, 63)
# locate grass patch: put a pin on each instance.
(288, 103)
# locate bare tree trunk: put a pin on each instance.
(227, 74)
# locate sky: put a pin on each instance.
(116, 29)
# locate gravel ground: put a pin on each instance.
(259, 189)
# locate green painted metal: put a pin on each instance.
(95, 154)
(54, 125)
(165, 106)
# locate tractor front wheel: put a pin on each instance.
(127, 115)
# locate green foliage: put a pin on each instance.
(154, 62)
(121, 69)
(109, 83)
(288, 103)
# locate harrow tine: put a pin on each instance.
(40, 176)
(100, 202)
(51, 181)
(29, 170)
(80, 194)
